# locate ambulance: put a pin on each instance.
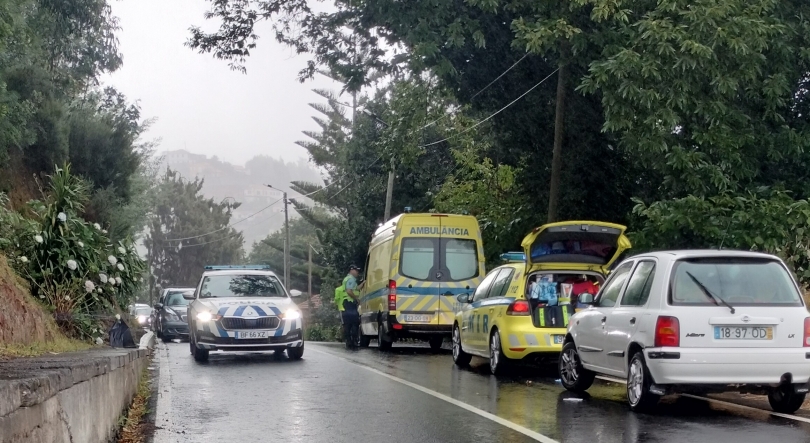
(416, 267)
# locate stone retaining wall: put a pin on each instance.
(70, 398)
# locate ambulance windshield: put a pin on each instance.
(437, 259)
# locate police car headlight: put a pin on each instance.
(204, 316)
(292, 314)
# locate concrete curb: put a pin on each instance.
(70, 389)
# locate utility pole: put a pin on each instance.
(309, 264)
(559, 121)
(389, 193)
(286, 237)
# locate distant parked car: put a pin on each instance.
(170, 314)
(143, 315)
(685, 321)
(132, 308)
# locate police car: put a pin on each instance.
(243, 308)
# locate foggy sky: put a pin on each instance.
(199, 103)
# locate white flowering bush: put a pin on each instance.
(66, 260)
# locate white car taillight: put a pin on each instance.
(807, 332)
(667, 332)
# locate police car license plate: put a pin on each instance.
(417, 318)
(558, 339)
(252, 334)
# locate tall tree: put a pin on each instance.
(187, 232)
(303, 236)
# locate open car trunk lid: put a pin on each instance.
(575, 245)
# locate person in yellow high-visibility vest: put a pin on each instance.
(347, 300)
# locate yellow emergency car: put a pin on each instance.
(501, 322)
(417, 265)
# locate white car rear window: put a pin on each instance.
(739, 282)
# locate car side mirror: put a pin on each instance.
(295, 293)
(586, 299)
(158, 305)
(464, 298)
(188, 295)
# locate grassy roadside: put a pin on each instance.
(58, 345)
(134, 429)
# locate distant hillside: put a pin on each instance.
(245, 184)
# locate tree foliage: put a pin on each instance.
(52, 110)
(270, 251)
(177, 249)
(686, 119)
(72, 265)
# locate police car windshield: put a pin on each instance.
(219, 286)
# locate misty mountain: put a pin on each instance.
(246, 184)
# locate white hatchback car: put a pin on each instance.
(686, 321)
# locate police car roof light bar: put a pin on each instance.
(513, 257)
(227, 267)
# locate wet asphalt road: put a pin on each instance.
(415, 395)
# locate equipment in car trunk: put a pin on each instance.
(553, 316)
(545, 291)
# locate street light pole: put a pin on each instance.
(286, 244)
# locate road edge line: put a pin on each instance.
(723, 402)
(501, 421)
(163, 407)
(748, 408)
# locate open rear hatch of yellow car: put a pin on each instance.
(575, 245)
(560, 251)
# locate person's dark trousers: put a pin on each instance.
(351, 319)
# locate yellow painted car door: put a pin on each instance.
(471, 335)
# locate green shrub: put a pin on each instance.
(319, 332)
(71, 265)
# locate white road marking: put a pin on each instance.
(722, 402)
(164, 417)
(513, 426)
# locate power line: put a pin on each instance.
(226, 237)
(493, 114)
(459, 133)
(498, 77)
(226, 227)
(471, 97)
(480, 91)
